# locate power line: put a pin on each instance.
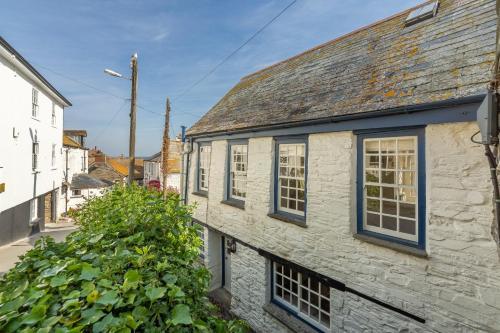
(80, 82)
(111, 120)
(94, 88)
(178, 97)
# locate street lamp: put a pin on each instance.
(133, 111)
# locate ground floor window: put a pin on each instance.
(302, 294)
(76, 193)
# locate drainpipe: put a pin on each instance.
(185, 165)
(66, 184)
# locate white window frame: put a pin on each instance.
(33, 209)
(204, 159)
(238, 176)
(54, 118)
(302, 295)
(53, 156)
(34, 103)
(35, 152)
(289, 178)
(380, 184)
(79, 194)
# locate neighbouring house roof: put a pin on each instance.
(383, 66)
(85, 181)
(16, 55)
(120, 165)
(154, 158)
(105, 173)
(69, 142)
(75, 132)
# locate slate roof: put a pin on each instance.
(380, 67)
(105, 173)
(154, 158)
(84, 181)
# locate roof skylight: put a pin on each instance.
(422, 13)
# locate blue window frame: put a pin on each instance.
(237, 168)
(302, 295)
(203, 167)
(391, 185)
(290, 177)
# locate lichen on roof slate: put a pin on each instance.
(383, 66)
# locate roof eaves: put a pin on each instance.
(354, 116)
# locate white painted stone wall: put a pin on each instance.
(456, 289)
(74, 161)
(22, 184)
(75, 201)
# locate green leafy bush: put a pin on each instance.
(131, 267)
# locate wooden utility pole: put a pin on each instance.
(165, 147)
(133, 112)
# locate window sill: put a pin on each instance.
(200, 194)
(394, 246)
(299, 221)
(34, 118)
(288, 319)
(234, 203)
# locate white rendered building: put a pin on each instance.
(31, 132)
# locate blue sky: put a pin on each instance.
(178, 41)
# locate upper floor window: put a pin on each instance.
(291, 176)
(53, 156)
(303, 295)
(392, 197)
(35, 152)
(238, 165)
(34, 103)
(54, 119)
(204, 154)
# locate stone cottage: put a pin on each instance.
(340, 191)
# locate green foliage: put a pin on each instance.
(131, 267)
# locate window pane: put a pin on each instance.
(373, 191)
(372, 161)
(373, 205)
(390, 223)
(406, 146)
(407, 226)
(373, 220)
(389, 193)
(372, 176)
(388, 146)
(372, 147)
(407, 210)
(388, 177)
(389, 162)
(389, 207)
